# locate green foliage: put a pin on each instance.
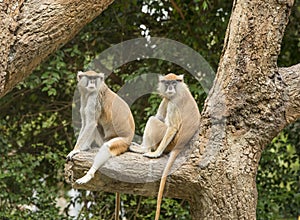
(278, 177)
(35, 118)
(291, 41)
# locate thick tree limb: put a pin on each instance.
(291, 76)
(131, 173)
(134, 174)
(31, 30)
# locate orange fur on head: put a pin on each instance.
(88, 73)
(172, 76)
(91, 73)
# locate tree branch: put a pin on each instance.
(291, 76)
(133, 173)
(32, 30)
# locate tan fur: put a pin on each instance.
(118, 147)
(114, 118)
(106, 119)
(175, 123)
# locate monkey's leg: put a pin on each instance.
(110, 148)
(154, 132)
(101, 157)
(169, 135)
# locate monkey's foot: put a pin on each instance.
(71, 154)
(85, 178)
(134, 147)
(154, 154)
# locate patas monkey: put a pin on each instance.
(175, 123)
(105, 119)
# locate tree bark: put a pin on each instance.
(31, 30)
(250, 102)
(218, 175)
(208, 178)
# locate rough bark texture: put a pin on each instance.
(250, 102)
(33, 29)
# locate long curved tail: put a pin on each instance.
(117, 207)
(174, 153)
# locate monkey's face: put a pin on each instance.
(168, 88)
(168, 85)
(90, 80)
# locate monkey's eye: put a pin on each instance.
(93, 77)
(162, 81)
(171, 82)
(179, 80)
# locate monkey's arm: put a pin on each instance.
(92, 112)
(170, 134)
(162, 110)
(85, 140)
(89, 130)
(173, 122)
(86, 136)
(83, 103)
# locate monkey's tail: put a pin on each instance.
(163, 180)
(117, 206)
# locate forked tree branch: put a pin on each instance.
(134, 174)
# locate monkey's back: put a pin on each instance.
(190, 120)
(116, 118)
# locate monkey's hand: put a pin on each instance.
(134, 147)
(72, 153)
(154, 154)
(87, 177)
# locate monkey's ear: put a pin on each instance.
(102, 76)
(161, 78)
(180, 78)
(79, 74)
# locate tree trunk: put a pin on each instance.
(245, 110)
(250, 102)
(31, 30)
